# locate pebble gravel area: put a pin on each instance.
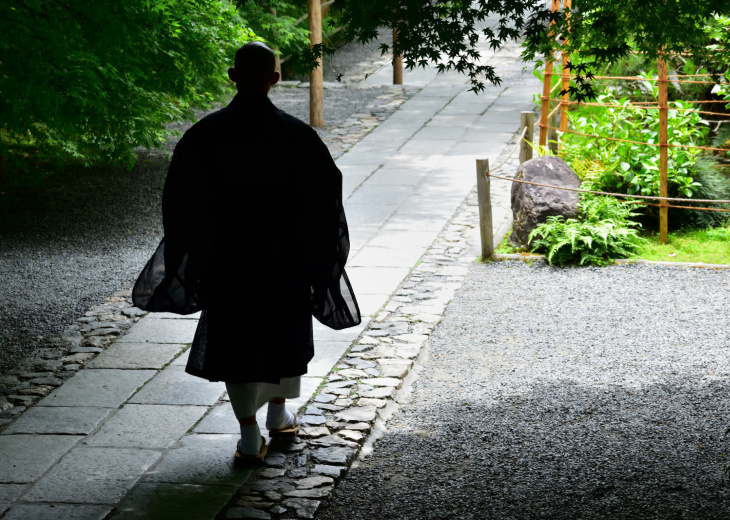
(556, 393)
(76, 238)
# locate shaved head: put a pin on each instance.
(255, 67)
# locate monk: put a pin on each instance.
(256, 238)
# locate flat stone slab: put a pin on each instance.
(383, 381)
(358, 414)
(220, 419)
(174, 386)
(378, 393)
(332, 456)
(98, 388)
(78, 420)
(248, 512)
(8, 494)
(396, 368)
(57, 512)
(309, 493)
(332, 471)
(174, 501)
(149, 330)
(24, 458)
(173, 316)
(313, 482)
(146, 426)
(303, 507)
(202, 459)
(93, 476)
(329, 441)
(313, 420)
(136, 355)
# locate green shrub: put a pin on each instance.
(93, 80)
(634, 168)
(713, 184)
(601, 232)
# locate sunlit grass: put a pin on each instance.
(710, 246)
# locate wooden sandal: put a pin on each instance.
(249, 460)
(286, 431)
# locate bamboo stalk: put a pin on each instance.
(316, 78)
(545, 108)
(565, 76)
(552, 143)
(663, 149)
(277, 65)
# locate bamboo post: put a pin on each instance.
(663, 149)
(316, 112)
(545, 108)
(565, 79)
(527, 120)
(552, 138)
(397, 62)
(546, 86)
(277, 55)
(486, 231)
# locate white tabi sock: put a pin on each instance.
(250, 439)
(278, 416)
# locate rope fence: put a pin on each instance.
(623, 195)
(656, 145)
(634, 106)
(663, 80)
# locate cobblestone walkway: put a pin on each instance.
(132, 436)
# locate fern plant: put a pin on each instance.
(602, 231)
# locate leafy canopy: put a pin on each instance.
(604, 31)
(446, 33)
(283, 25)
(95, 79)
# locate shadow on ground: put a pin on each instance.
(560, 451)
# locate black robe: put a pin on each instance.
(256, 238)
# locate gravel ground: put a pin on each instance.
(80, 236)
(562, 394)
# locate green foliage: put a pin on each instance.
(93, 80)
(283, 25)
(711, 246)
(636, 65)
(634, 168)
(602, 231)
(443, 33)
(604, 31)
(714, 183)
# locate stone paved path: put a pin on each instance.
(132, 436)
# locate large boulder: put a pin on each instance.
(532, 205)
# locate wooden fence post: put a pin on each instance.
(545, 107)
(397, 62)
(552, 137)
(486, 231)
(527, 120)
(316, 91)
(546, 87)
(565, 79)
(277, 64)
(663, 141)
